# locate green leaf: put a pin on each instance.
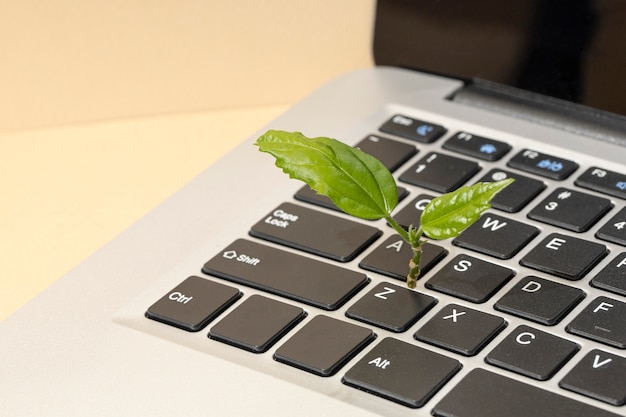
(448, 215)
(356, 182)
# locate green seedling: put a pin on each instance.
(361, 186)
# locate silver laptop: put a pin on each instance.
(247, 294)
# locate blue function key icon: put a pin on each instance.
(414, 129)
(543, 164)
(477, 146)
(604, 181)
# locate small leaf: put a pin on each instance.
(356, 182)
(448, 215)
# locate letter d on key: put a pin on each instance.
(531, 286)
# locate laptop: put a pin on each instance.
(247, 294)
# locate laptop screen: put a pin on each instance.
(573, 50)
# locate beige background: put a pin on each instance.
(108, 107)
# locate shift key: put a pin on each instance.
(315, 232)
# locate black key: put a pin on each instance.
(193, 303)
(402, 372)
(599, 375)
(518, 194)
(413, 129)
(540, 300)
(286, 274)
(411, 213)
(604, 181)
(440, 172)
(391, 258)
(257, 323)
(390, 152)
(477, 146)
(613, 276)
(391, 307)
(461, 329)
(323, 345)
(532, 353)
(542, 164)
(315, 232)
(602, 321)
(308, 195)
(486, 394)
(571, 210)
(496, 236)
(615, 229)
(564, 256)
(470, 278)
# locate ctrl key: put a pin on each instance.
(193, 303)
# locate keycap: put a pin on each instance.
(257, 323)
(193, 303)
(599, 375)
(324, 345)
(308, 195)
(440, 172)
(410, 214)
(615, 229)
(477, 146)
(532, 353)
(391, 307)
(391, 258)
(460, 329)
(570, 209)
(286, 274)
(401, 372)
(496, 236)
(516, 195)
(564, 256)
(604, 181)
(548, 166)
(312, 231)
(603, 321)
(613, 276)
(470, 278)
(484, 393)
(414, 129)
(391, 153)
(540, 300)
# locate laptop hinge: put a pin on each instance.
(547, 111)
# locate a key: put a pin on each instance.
(308, 195)
(615, 229)
(516, 195)
(496, 236)
(323, 345)
(532, 353)
(564, 256)
(599, 375)
(603, 321)
(613, 276)
(413, 129)
(604, 181)
(391, 258)
(440, 172)
(390, 152)
(477, 146)
(460, 329)
(486, 394)
(312, 231)
(402, 372)
(470, 278)
(540, 300)
(410, 214)
(257, 323)
(193, 303)
(286, 274)
(570, 209)
(391, 307)
(542, 164)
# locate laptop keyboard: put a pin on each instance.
(512, 290)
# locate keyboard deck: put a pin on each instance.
(526, 307)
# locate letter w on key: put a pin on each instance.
(493, 224)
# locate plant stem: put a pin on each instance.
(413, 238)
